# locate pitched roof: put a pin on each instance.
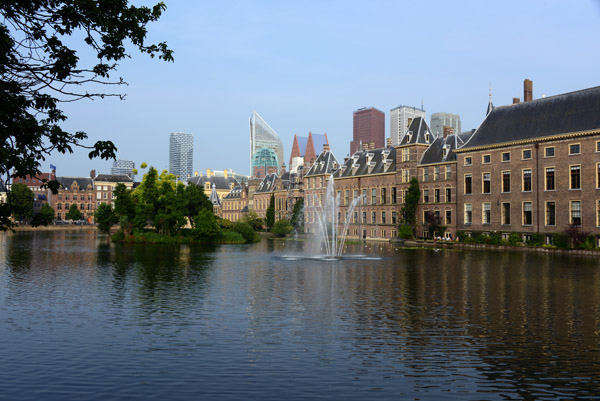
(418, 133)
(214, 197)
(82, 182)
(113, 178)
(555, 115)
(267, 184)
(366, 162)
(326, 163)
(221, 183)
(440, 151)
(235, 193)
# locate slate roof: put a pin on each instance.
(555, 115)
(83, 182)
(267, 184)
(220, 183)
(326, 163)
(435, 152)
(235, 193)
(113, 178)
(372, 161)
(214, 197)
(417, 133)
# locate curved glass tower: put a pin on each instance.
(263, 136)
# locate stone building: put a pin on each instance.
(235, 203)
(314, 184)
(74, 190)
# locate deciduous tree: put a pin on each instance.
(20, 201)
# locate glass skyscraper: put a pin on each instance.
(123, 167)
(263, 136)
(181, 155)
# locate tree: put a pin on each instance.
(20, 201)
(124, 207)
(44, 217)
(194, 201)
(408, 212)
(298, 215)
(207, 226)
(434, 223)
(73, 213)
(105, 217)
(270, 218)
(282, 227)
(252, 218)
(40, 68)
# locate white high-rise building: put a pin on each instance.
(441, 120)
(123, 167)
(263, 136)
(181, 155)
(400, 119)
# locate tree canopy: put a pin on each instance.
(74, 213)
(20, 200)
(40, 68)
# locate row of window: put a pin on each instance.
(447, 218)
(375, 218)
(83, 206)
(436, 173)
(526, 180)
(68, 197)
(549, 151)
(437, 195)
(368, 196)
(527, 213)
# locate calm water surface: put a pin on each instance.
(84, 320)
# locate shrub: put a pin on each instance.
(118, 236)
(245, 230)
(560, 240)
(515, 239)
(405, 232)
(230, 237)
(206, 225)
(281, 228)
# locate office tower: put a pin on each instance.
(123, 167)
(262, 136)
(441, 120)
(181, 155)
(400, 119)
(368, 126)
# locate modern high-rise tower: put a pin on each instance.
(263, 136)
(181, 155)
(368, 126)
(441, 120)
(123, 167)
(400, 119)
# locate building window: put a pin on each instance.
(436, 173)
(574, 149)
(347, 197)
(576, 213)
(364, 217)
(598, 213)
(575, 177)
(486, 215)
(354, 217)
(448, 173)
(373, 196)
(394, 195)
(364, 197)
(436, 195)
(486, 159)
(425, 196)
(373, 217)
(468, 213)
(394, 217)
(448, 217)
(405, 175)
(550, 179)
(506, 156)
(487, 183)
(506, 181)
(597, 175)
(354, 194)
(382, 217)
(425, 174)
(527, 180)
(549, 151)
(448, 194)
(405, 155)
(527, 213)
(383, 196)
(468, 161)
(468, 184)
(506, 213)
(527, 154)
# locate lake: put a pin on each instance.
(81, 319)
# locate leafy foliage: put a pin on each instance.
(405, 232)
(105, 217)
(40, 68)
(44, 217)
(245, 230)
(270, 217)
(255, 222)
(20, 200)
(434, 223)
(408, 212)
(282, 227)
(298, 215)
(73, 213)
(206, 225)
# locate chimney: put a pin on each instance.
(225, 173)
(93, 174)
(325, 147)
(208, 173)
(516, 100)
(388, 142)
(527, 90)
(371, 145)
(195, 174)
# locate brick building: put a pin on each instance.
(368, 126)
(314, 184)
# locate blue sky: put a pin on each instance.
(306, 66)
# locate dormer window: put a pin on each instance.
(446, 149)
(371, 166)
(409, 134)
(385, 154)
(427, 137)
(355, 167)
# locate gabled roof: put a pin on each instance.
(326, 163)
(113, 178)
(418, 133)
(221, 183)
(368, 162)
(440, 151)
(235, 193)
(214, 197)
(562, 114)
(267, 184)
(82, 182)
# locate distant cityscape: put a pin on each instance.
(531, 167)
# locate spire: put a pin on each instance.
(214, 197)
(490, 104)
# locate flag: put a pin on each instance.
(52, 167)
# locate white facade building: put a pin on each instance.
(400, 119)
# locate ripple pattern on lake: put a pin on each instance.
(83, 320)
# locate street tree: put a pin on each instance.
(105, 217)
(40, 68)
(20, 201)
(73, 213)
